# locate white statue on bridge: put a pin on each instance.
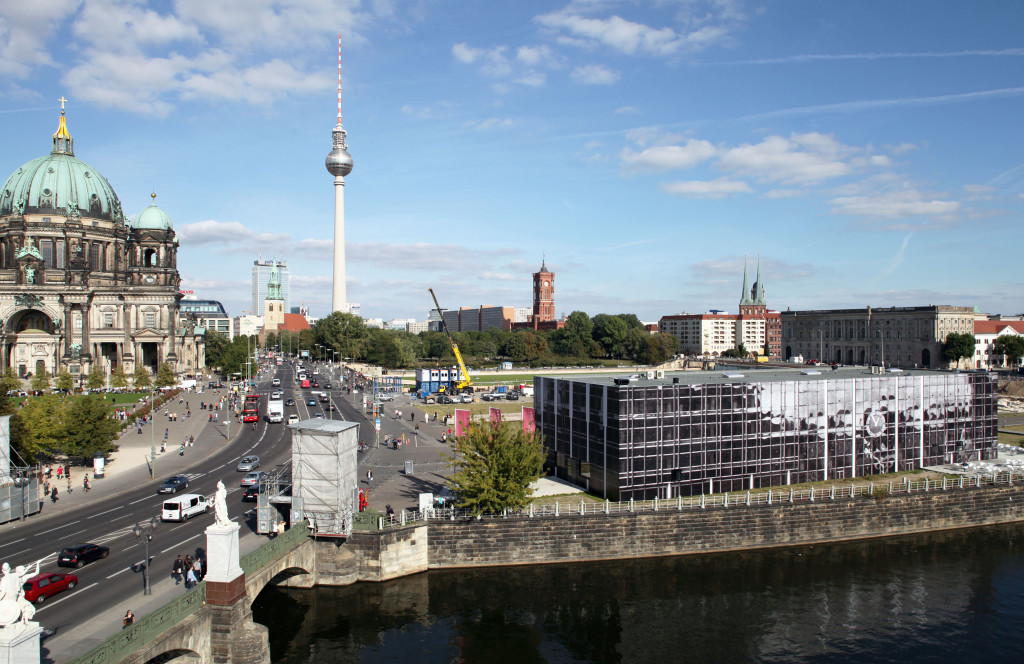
(220, 505)
(14, 608)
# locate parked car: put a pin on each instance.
(80, 554)
(250, 493)
(248, 463)
(512, 396)
(466, 398)
(253, 478)
(173, 484)
(386, 397)
(289, 401)
(444, 398)
(493, 396)
(293, 418)
(41, 586)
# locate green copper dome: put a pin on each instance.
(152, 218)
(60, 184)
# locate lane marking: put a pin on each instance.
(58, 528)
(67, 596)
(75, 533)
(182, 542)
(142, 499)
(108, 511)
(12, 542)
(124, 570)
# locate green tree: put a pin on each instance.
(118, 378)
(141, 378)
(344, 333)
(388, 349)
(958, 346)
(610, 332)
(9, 381)
(494, 467)
(435, 345)
(165, 376)
(96, 378)
(1011, 347)
(635, 344)
(89, 428)
(45, 433)
(631, 320)
(574, 339)
(65, 381)
(660, 347)
(216, 344)
(41, 381)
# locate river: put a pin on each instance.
(951, 596)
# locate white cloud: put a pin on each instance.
(535, 56)
(626, 110)
(903, 201)
(662, 157)
(719, 188)
(783, 193)
(801, 158)
(595, 75)
(493, 61)
(492, 123)
(24, 29)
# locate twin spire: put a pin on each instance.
(752, 295)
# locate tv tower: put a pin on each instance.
(339, 164)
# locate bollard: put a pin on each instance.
(812, 494)
(832, 492)
(679, 502)
(702, 501)
(725, 501)
(655, 503)
(607, 504)
(748, 499)
(583, 508)
(791, 495)
(531, 510)
(852, 488)
(890, 488)
(943, 483)
(769, 496)
(961, 481)
(630, 503)
(556, 508)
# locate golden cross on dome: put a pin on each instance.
(62, 101)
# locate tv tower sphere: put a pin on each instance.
(339, 161)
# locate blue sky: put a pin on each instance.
(870, 151)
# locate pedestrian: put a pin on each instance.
(67, 469)
(60, 472)
(128, 620)
(181, 450)
(197, 568)
(69, 483)
(190, 579)
(46, 486)
(53, 494)
(369, 478)
(412, 416)
(85, 483)
(191, 440)
(167, 433)
(177, 569)
(186, 564)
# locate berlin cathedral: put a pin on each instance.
(81, 285)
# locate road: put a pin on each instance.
(105, 584)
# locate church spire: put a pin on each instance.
(745, 293)
(62, 141)
(758, 285)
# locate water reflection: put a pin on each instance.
(914, 599)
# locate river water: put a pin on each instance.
(946, 597)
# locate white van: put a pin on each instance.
(182, 507)
(276, 382)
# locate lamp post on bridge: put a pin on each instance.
(143, 534)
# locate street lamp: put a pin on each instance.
(143, 534)
(152, 435)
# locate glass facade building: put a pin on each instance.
(690, 433)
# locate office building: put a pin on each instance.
(209, 314)
(689, 433)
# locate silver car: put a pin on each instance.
(253, 478)
(248, 463)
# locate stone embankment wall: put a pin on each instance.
(670, 532)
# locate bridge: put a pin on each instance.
(199, 630)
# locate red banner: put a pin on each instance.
(495, 416)
(529, 425)
(461, 422)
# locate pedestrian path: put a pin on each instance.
(129, 466)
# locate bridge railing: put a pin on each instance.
(570, 508)
(130, 639)
(274, 548)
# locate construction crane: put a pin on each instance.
(466, 380)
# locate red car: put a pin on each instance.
(41, 586)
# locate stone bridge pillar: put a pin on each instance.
(234, 637)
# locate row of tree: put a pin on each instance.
(582, 340)
(96, 379)
(961, 346)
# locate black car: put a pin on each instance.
(327, 386)
(80, 554)
(512, 396)
(250, 492)
(289, 402)
(444, 398)
(173, 484)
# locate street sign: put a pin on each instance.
(378, 424)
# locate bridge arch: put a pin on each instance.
(176, 656)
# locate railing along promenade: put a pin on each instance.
(150, 627)
(374, 521)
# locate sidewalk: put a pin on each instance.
(128, 467)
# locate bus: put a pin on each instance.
(251, 409)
